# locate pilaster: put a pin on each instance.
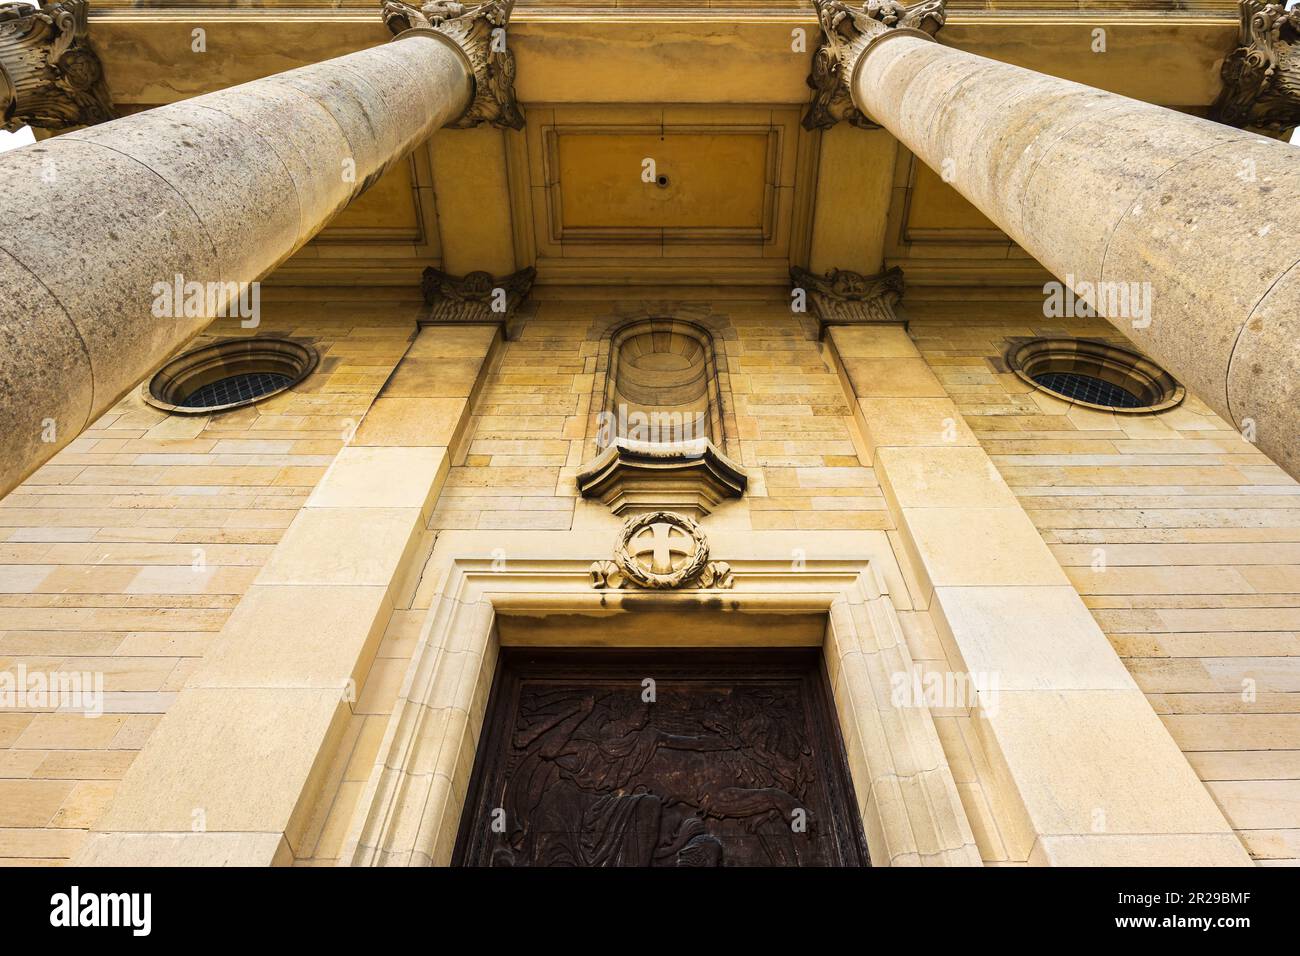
(233, 772)
(1088, 772)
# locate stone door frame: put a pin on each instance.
(409, 812)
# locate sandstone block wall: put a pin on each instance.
(1200, 536)
(1181, 537)
(125, 554)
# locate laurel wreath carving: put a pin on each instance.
(632, 569)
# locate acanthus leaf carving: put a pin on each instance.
(476, 297)
(846, 33)
(841, 297)
(717, 574)
(480, 33)
(50, 76)
(606, 576)
(1261, 77)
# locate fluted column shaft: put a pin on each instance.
(1101, 188)
(217, 189)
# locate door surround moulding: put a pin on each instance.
(408, 813)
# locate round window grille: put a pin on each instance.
(1095, 374)
(229, 374)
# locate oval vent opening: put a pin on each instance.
(1095, 374)
(229, 374)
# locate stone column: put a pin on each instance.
(1121, 200)
(217, 190)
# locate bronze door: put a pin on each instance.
(681, 758)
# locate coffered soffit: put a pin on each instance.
(702, 90)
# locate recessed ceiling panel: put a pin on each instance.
(682, 181)
(706, 188)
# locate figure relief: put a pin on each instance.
(601, 777)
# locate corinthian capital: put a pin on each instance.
(49, 75)
(846, 33)
(1261, 77)
(480, 33)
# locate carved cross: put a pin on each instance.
(661, 546)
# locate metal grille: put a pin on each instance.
(1085, 388)
(236, 388)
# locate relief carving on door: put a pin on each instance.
(705, 765)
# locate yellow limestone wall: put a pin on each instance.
(1196, 540)
(529, 435)
(98, 555)
(96, 549)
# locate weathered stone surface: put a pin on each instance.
(35, 332)
(1264, 377)
(191, 189)
(1102, 189)
(262, 732)
(227, 174)
(99, 260)
(185, 849)
(314, 139)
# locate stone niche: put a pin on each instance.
(659, 421)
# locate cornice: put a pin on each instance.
(110, 12)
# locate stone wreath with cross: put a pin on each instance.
(659, 550)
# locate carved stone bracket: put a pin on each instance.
(476, 298)
(846, 298)
(661, 550)
(50, 76)
(1261, 78)
(690, 476)
(846, 34)
(480, 33)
